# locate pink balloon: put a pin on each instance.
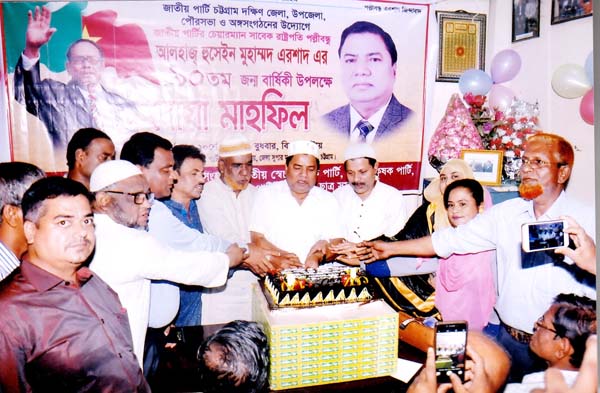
(505, 65)
(501, 97)
(586, 108)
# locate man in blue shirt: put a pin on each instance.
(187, 187)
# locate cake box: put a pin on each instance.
(328, 344)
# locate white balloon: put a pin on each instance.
(570, 81)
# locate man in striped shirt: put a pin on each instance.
(15, 179)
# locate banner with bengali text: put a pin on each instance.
(195, 71)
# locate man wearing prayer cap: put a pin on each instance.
(127, 257)
(294, 216)
(224, 209)
(369, 207)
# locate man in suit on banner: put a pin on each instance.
(368, 71)
(82, 102)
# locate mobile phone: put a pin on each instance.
(544, 235)
(450, 350)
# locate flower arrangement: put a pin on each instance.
(506, 131)
(454, 133)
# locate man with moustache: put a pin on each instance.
(368, 58)
(63, 329)
(295, 217)
(225, 208)
(527, 283)
(127, 257)
(187, 188)
(87, 149)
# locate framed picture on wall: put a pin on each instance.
(566, 10)
(525, 19)
(486, 165)
(461, 44)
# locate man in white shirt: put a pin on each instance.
(369, 207)
(15, 179)
(527, 282)
(294, 216)
(127, 257)
(224, 209)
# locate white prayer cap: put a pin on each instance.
(303, 147)
(235, 145)
(111, 172)
(359, 150)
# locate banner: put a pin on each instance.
(195, 71)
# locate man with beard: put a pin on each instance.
(127, 257)
(225, 208)
(527, 283)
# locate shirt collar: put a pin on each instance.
(554, 211)
(374, 120)
(43, 280)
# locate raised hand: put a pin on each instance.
(38, 32)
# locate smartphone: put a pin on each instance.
(450, 349)
(544, 235)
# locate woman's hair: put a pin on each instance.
(471, 185)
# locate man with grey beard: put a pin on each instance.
(127, 257)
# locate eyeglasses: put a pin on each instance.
(539, 324)
(138, 197)
(81, 59)
(537, 163)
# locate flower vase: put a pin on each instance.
(511, 164)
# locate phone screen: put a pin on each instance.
(450, 346)
(546, 235)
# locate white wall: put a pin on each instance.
(569, 42)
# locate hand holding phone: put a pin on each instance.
(450, 350)
(544, 235)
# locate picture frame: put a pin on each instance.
(565, 11)
(525, 20)
(486, 165)
(461, 44)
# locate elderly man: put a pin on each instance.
(368, 71)
(15, 179)
(560, 337)
(127, 257)
(225, 209)
(87, 149)
(527, 283)
(83, 102)
(227, 200)
(62, 328)
(293, 216)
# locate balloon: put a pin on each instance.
(586, 108)
(474, 81)
(505, 65)
(570, 81)
(589, 68)
(501, 97)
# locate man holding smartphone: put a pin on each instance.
(525, 291)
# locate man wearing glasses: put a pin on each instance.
(559, 338)
(527, 282)
(83, 101)
(127, 257)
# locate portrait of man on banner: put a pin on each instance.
(368, 58)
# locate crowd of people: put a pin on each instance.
(107, 268)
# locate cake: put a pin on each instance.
(316, 287)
